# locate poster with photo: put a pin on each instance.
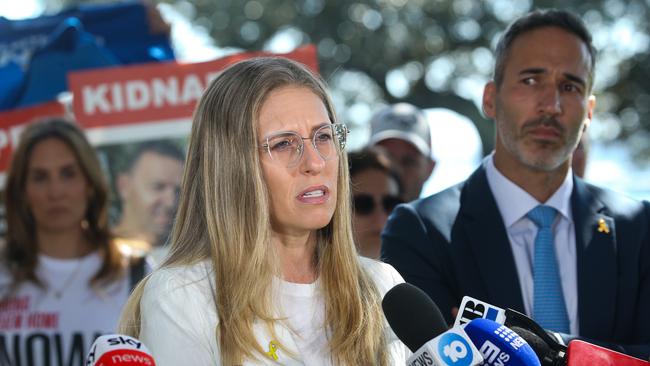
(144, 178)
(138, 117)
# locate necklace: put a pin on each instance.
(58, 293)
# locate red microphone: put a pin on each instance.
(119, 350)
(580, 353)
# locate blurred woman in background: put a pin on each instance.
(63, 280)
(375, 192)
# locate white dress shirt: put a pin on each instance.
(514, 203)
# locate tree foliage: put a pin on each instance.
(438, 53)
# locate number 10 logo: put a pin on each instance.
(455, 350)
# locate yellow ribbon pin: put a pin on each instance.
(273, 347)
(602, 226)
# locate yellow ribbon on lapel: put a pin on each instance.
(602, 226)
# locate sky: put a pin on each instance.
(19, 9)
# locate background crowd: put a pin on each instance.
(250, 232)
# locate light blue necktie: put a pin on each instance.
(549, 309)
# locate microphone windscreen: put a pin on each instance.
(412, 315)
(499, 345)
(547, 355)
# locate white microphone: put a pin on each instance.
(119, 350)
(417, 322)
(452, 347)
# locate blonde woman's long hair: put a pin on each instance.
(224, 216)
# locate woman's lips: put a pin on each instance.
(314, 195)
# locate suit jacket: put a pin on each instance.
(455, 243)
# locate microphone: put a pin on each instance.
(118, 350)
(519, 320)
(547, 348)
(545, 344)
(418, 323)
(547, 356)
(581, 353)
(578, 353)
(500, 345)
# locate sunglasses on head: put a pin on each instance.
(365, 204)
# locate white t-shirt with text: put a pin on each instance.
(37, 327)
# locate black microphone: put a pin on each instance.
(556, 350)
(418, 323)
(412, 315)
(578, 353)
(547, 356)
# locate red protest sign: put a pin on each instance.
(12, 123)
(153, 92)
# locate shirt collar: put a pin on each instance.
(514, 202)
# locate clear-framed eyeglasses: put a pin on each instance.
(287, 147)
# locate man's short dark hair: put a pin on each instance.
(539, 19)
(160, 147)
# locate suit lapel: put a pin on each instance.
(480, 221)
(596, 262)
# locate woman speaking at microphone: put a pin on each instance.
(263, 268)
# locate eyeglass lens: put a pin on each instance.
(365, 204)
(288, 147)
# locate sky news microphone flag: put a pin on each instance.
(119, 350)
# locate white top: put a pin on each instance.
(304, 309)
(38, 324)
(514, 204)
(179, 319)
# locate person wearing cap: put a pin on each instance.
(403, 131)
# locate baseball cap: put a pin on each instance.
(401, 121)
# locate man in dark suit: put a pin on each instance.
(522, 231)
